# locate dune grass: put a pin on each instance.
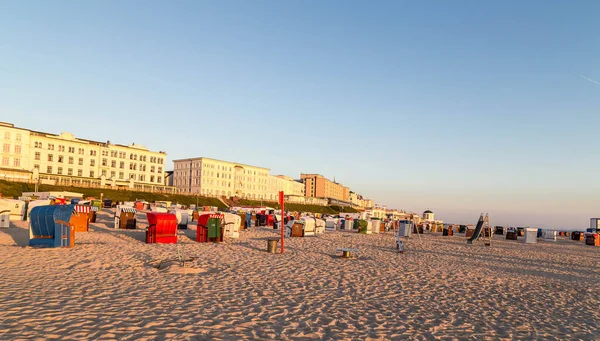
(298, 207)
(15, 189)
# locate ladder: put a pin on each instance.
(486, 232)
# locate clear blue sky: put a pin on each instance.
(458, 106)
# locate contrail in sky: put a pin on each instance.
(589, 79)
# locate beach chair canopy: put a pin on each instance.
(162, 228)
(49, 225)
(232, 223)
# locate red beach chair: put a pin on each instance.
(162, 228)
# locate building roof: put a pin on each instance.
(208, 158)
(74, 138)
(428, 211)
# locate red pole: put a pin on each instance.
(282, 204)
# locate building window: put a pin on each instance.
(91, 174)
(132, 176)
(70, 160)
(105, 153)
(7, 135)
(36, 166)
(113, 174)
(104, 172)
(5, 161)
(59, 170)
(151, 169)
(80, 172)
(104, 162)
(17, 162)
(18, 138)
(60, 158)
(113, 164)
(159, 180)
(113, 153)
(70, 171)
(81, 151)
(80, 162)
(61, 148)
(6, 148)
(121, 175)
(141, 177)
(37, 155)
(122, 165)
(92, 163)
(49, 169)
(159, 170)
(92, 153)
(152, 178)
(71, 149)
(17, 149)
(50, 157)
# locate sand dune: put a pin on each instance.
(108, 287)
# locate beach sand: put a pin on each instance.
(108, 287)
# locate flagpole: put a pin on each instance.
(282, 204)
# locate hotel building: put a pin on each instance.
(206, 176)
(289, 186)
(317, 186)
(66, 159)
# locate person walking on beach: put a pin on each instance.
(248, 219)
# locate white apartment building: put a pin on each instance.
(206, 176)
(289, 186)
(63, 156)
(358, 200)
(14, 157)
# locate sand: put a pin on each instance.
(108, 287)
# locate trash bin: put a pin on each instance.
(272, 245)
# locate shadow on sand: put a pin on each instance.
(137, 234)
(19, 235)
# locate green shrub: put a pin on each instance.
(15, 189)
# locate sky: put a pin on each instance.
(461, 107)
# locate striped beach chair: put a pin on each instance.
(80, 219)
(125, 217)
